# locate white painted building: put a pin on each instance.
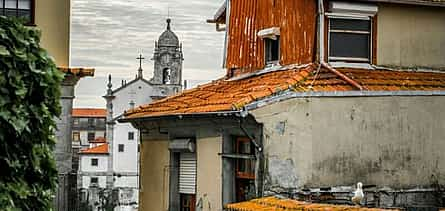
(93, 168)
(123, 139)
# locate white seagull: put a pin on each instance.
(358, 194)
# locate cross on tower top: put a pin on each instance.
(140, 58)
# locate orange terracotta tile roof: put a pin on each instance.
(232, 95)
(101, 149)
(272, 203)
(98, 140)
(77, 71)
(89, 112)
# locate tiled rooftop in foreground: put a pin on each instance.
(233, 94)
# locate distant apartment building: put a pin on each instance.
(88, 125)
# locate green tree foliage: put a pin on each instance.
(29, 102)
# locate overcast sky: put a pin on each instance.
(108, 35)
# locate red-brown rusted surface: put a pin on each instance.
(223, 95)
(297, 22)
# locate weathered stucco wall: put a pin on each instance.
(385, 141)
(411, 36)
(153, 194)
(53, 18)
(209, 171)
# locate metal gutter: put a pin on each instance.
(411, 2)
(290, 94)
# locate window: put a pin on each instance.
(166, 76)
(120, 147)
(94, 181)
(349, 39)
(91, 136)
(90, 122)
(245, 170)
(94, 162)
(75, 120)
(272, 50)
(18, 8)
(76, 136)
(130, 135)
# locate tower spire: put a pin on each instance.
(140, 58)
(168, 23)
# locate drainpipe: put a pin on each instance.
(321, 31)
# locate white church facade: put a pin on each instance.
(122, 170)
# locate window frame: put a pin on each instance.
(94, 183)
(94, 162)
(32, 11)
(372, 38)
(130, 137)
(119, 149)
(242, 174)
(76, 134)
(266, 51)
(88, 136)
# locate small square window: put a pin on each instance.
(272, 50)
(94, 162)
(94, 181)
(130, 135)
(120, 147)
(349, 39)
(91, 136)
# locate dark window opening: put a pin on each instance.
(90, 122)
(23, 9)
(130, 135)
(245, 170)
(94, 181)
(91, 136)
(94, 162)
(272, 50)
(349, 40)
(166, 76)
(121, 147)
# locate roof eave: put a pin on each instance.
(220, 14)
(181, 116)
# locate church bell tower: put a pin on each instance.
(168, 60)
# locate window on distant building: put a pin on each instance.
(91, 136)
(121, 147)
(350, 39)
(94, 181)
(75, 120)
(130, 135)
(90, 122)
(18, 8)
(76, 136)
(94, 162)
(272, 50)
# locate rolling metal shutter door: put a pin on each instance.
(187, 173)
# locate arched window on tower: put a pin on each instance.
(166, 76)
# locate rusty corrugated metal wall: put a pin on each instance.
(297, 22)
